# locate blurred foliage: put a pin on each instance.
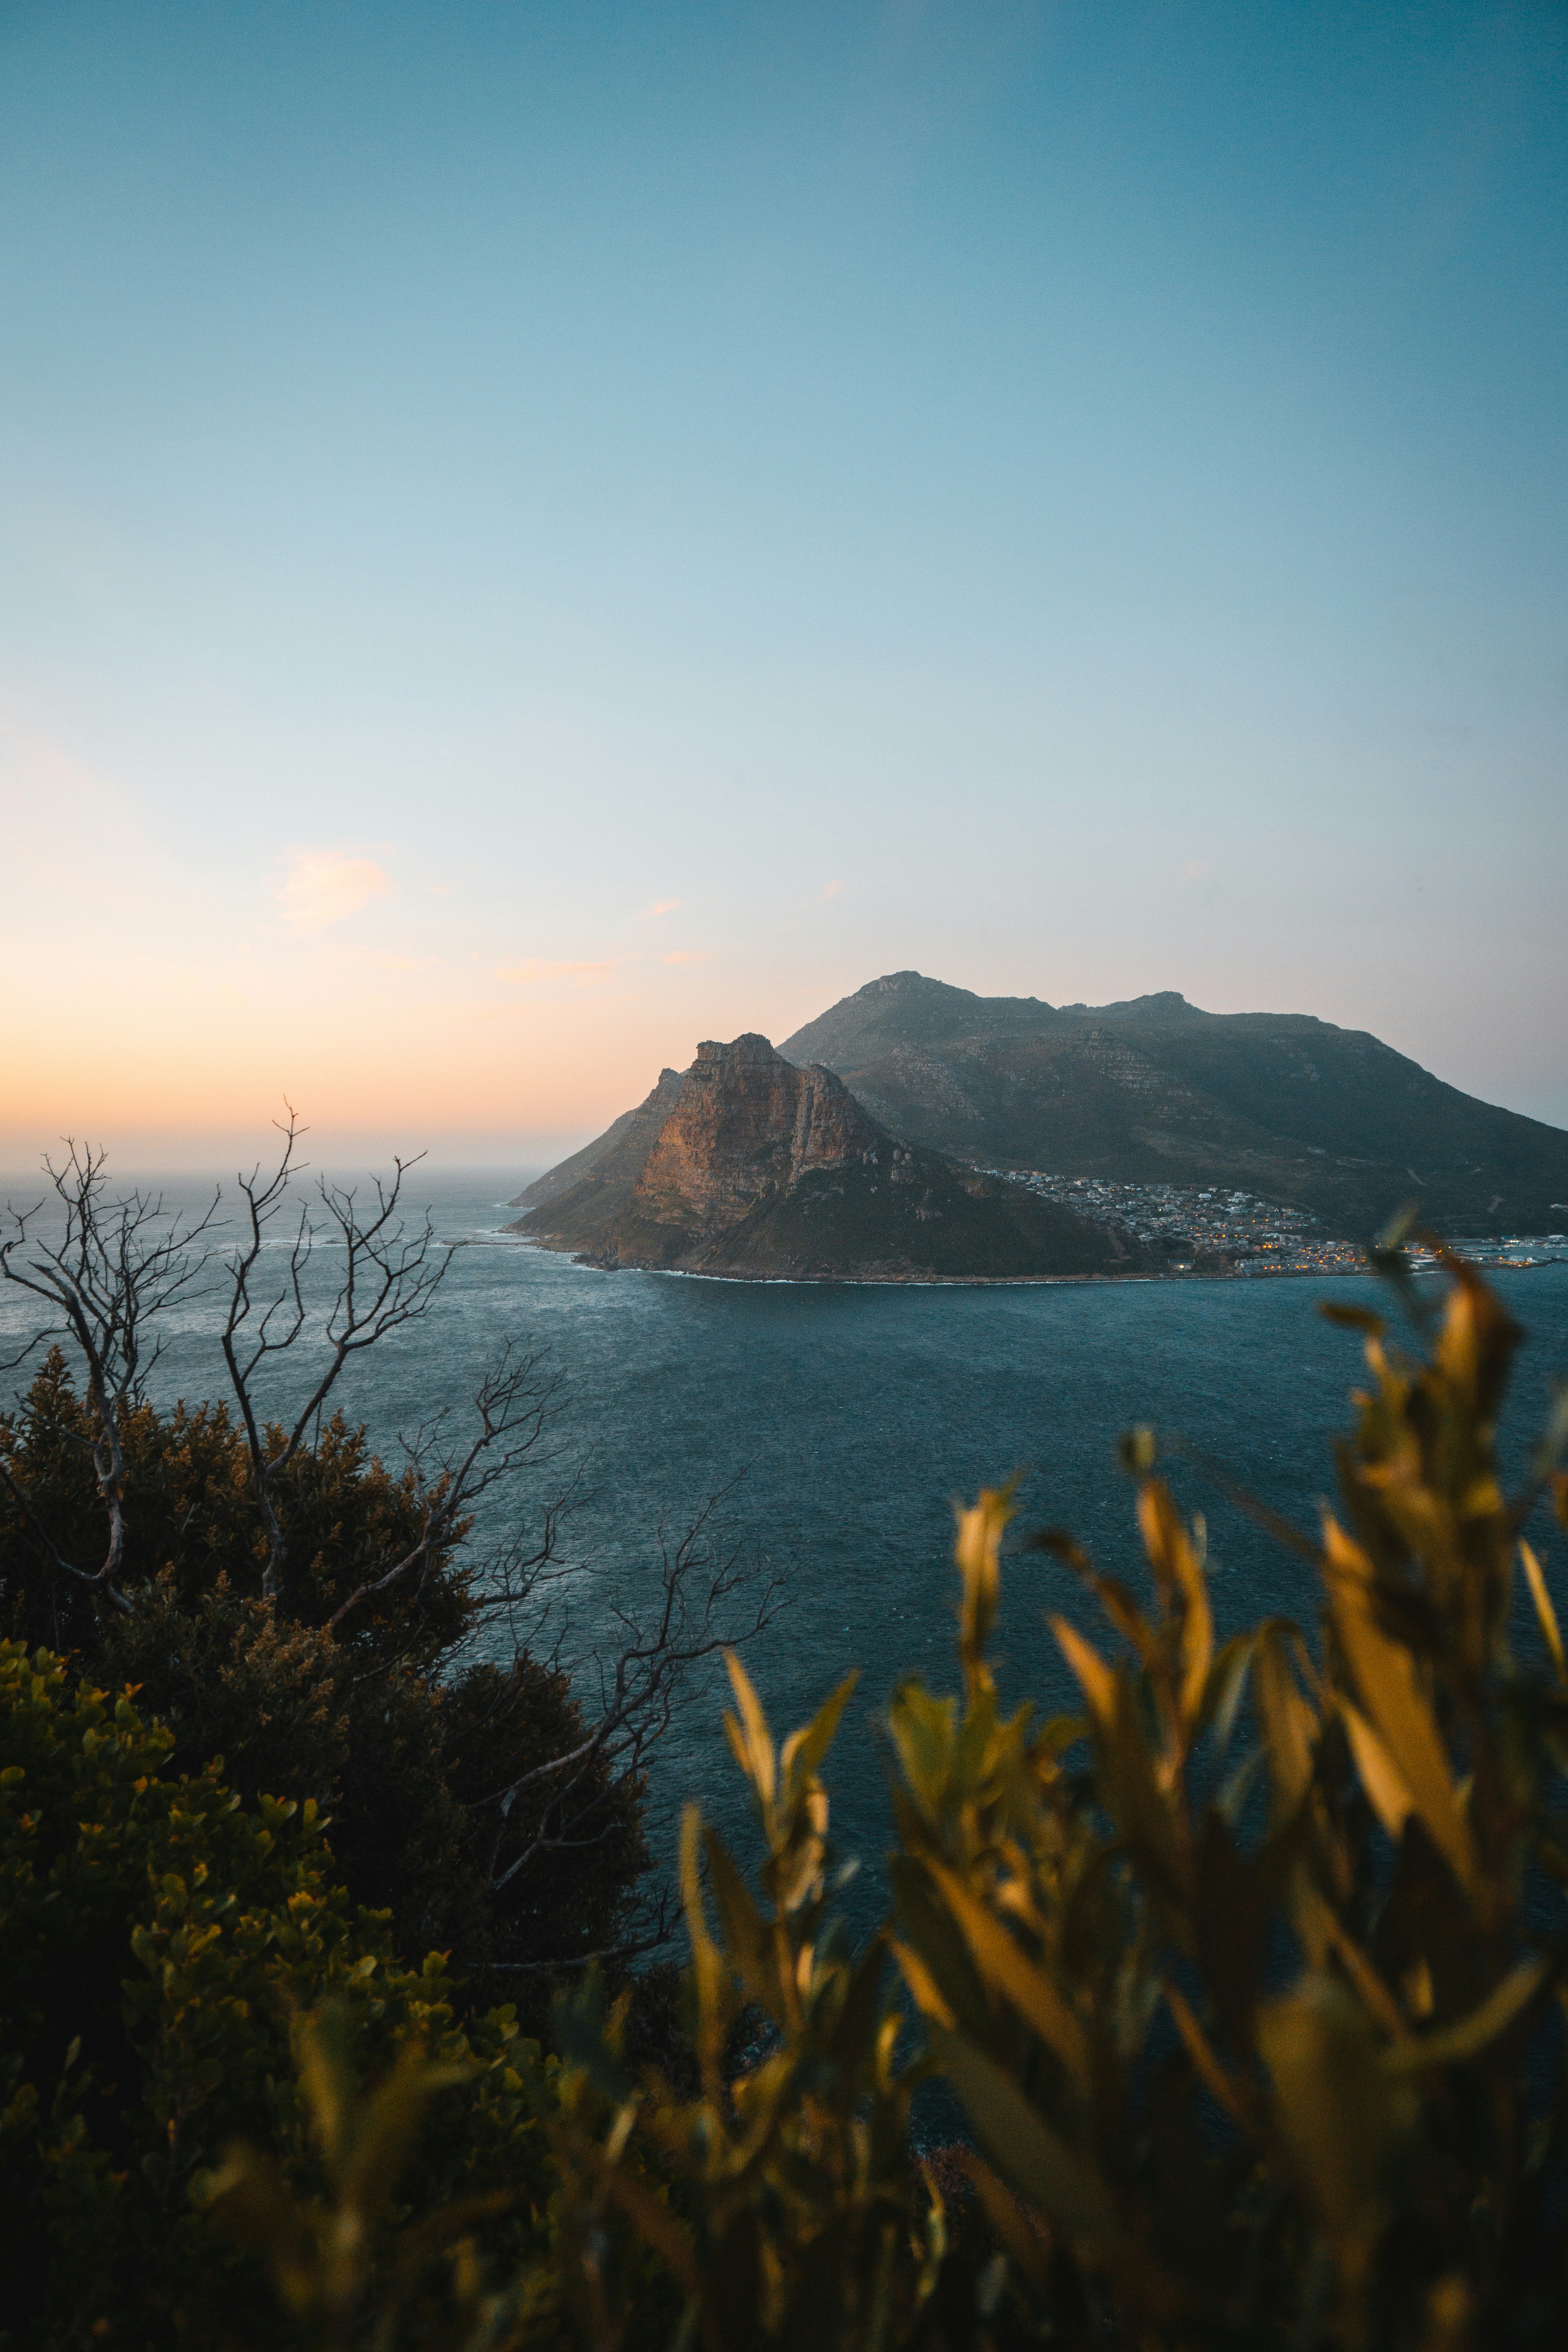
(795, 2215)
(156, 1937)
(342, 2273)
(387, 1724)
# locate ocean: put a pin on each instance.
(837, 1424)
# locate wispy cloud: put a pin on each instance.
(687, 955)
(534, 968)
(831, 889)
(1194, 867)
(663, 905)
(322, 886)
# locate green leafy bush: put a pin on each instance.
(190, 1515)
(384, 1722)
(798, 2215)
(156, 1940)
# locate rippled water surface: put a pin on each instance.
(851, 1417)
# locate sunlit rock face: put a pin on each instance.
(748, 1126)
(749, 1165)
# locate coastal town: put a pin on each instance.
(1215, 1231)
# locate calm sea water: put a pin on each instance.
(843, 1421)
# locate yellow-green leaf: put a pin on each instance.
(1450, 2044)
(1007, 1970)
(1062, 2180)
(1545, 1613)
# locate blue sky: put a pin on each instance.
(536, 534)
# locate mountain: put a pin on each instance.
(745, 1164)
(1155, 1091)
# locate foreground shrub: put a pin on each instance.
(1250, 1977)
(156, 1939)
(386, 1722)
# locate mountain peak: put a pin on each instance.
(1162, 1004)
(751, 1051)
(905, 1008)
(914, 986)
(900, 984)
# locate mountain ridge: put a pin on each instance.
(1154, 1089)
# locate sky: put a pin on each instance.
(537, 534)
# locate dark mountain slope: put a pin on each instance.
(747, 1165)
(1155, 1090)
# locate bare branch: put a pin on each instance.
(512, 1408)
(664, 1918)
(390, 1279)
(119, 1264)
(644, 1673)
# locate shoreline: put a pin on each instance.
(1005, 1281)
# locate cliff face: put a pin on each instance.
(746, 1129)
(745, 1164)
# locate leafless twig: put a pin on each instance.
(119, 1264)
(511, 1414)
(390, 1279)
(647, 1669)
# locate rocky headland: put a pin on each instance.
(747, 1164)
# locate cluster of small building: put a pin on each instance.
(1215, 1227)
(1515, 1249)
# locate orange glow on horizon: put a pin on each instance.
(146, 999)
